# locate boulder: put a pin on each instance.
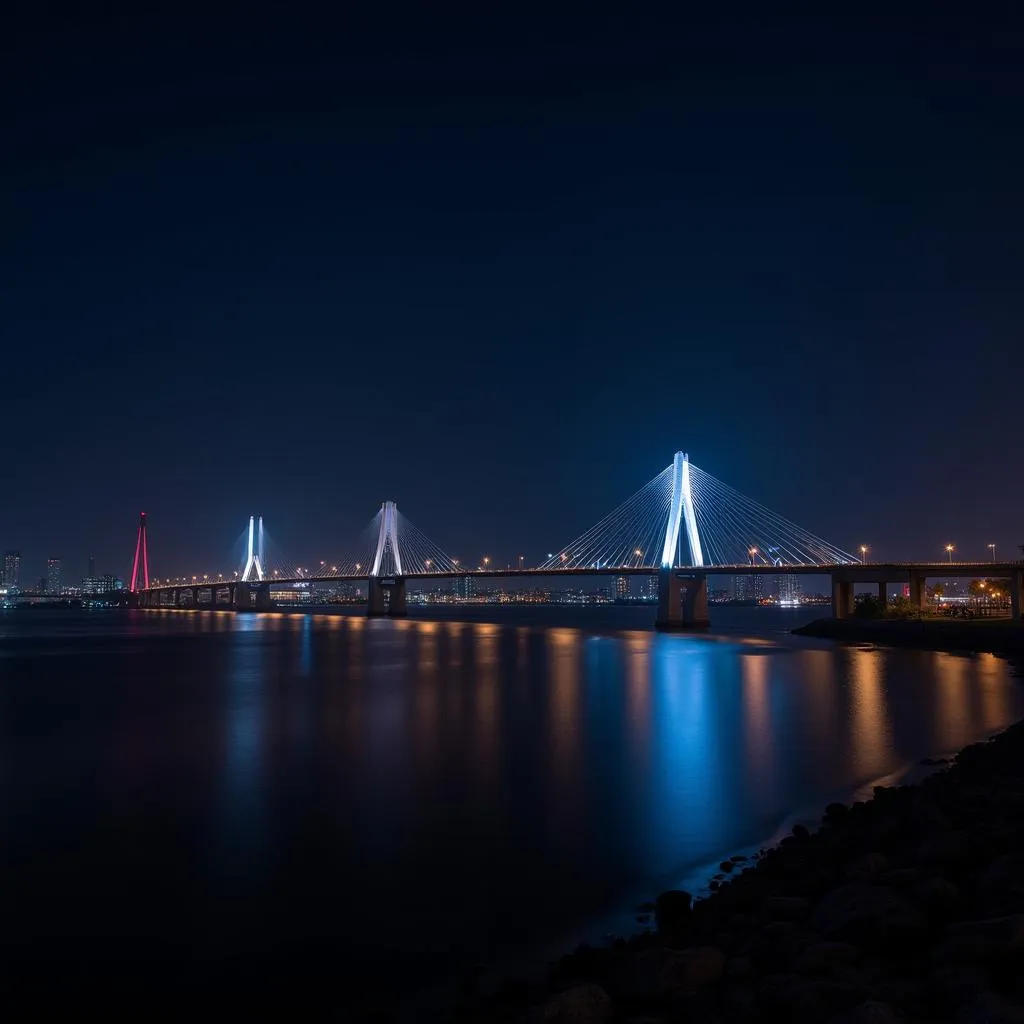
(995, 940)
(870, 1012)
(825, 957)
(584, 1004)
(867, 915)
(786, 908)
(673, 908)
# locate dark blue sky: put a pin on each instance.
(500, 270)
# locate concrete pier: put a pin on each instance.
(682, 601)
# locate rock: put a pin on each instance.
(865, 915)
(739, 858)
(801, 832)
(792, 997)
(951, 850)
(672, 908)
(990, 1008)
(656, 972)
(836, 811)
(995, 940)
(786, 908)
(727, 866)
(714, 884)
(1002, 885)
(737, 967)
(824, 957)
(901, 878)
(584, 1004)
(870, 1012)
(939, 897)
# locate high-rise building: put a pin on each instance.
(12, 569)
(747, 588)
(653, 588)
(787, 588)
(621, 588)
(53, 575)
(92, 566)
(462, 587)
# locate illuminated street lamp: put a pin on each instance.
(753, 553)
(863, 552)
(992, 551)
(428, 565)
(949, 552)
(520, 563)
(486, 561)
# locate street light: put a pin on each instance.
(992, 550)
(428, 565)
(520, 563)
(863, 552)
(949, 552)
(752, 552)
(486, 561)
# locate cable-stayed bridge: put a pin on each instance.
(684, 525)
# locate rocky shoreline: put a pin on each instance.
(906, 907)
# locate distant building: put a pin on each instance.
(748, 588)
(787, 588)
(12, 569)
(92, 565)
(653, 588)
(462, 587)
(53, 575)
(101, 584)
(622, 588)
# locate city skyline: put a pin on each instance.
(498, 271)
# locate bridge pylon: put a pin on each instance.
(254, 570)
(141, 559)
(680, 511)
(387, 537)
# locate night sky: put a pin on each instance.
(499, 269)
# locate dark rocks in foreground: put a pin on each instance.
(909, 907)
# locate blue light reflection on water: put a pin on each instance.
(462, 787)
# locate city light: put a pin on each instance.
(992, 550)
(950, 548)
(863, 552)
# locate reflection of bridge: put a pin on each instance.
(683, 526)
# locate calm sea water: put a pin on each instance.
(197, 798)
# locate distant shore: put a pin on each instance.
(998, 636)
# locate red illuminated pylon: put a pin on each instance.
(140, 549)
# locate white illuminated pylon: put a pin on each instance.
(253, 570)
(681, 509)
(388, 534)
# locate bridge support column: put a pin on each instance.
(883, 594)
(918, 591)
(396, 605)
(842, 598)
(682, 601)
(1016, 588)
(376, 602)
(386, 597)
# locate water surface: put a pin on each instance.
(278, 797)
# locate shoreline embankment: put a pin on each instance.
(987, 636)
(905, 907)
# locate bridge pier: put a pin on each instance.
(918, 591)
(682, 601)
(1016, 587)
(842, 598)
(386, 596)
(252, 597)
